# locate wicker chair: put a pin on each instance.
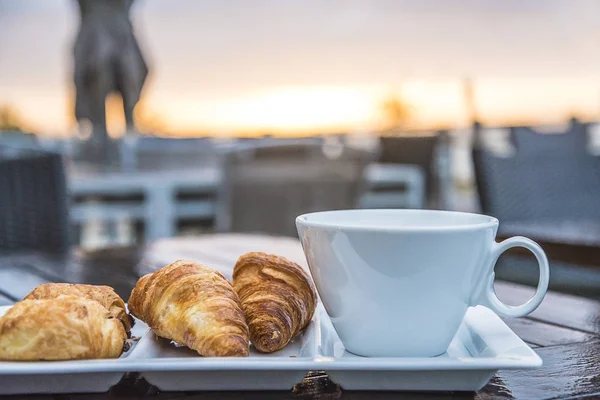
(415, 150)
(531, 185)
(529, 143)
(560, 183)
(265, 188)
(33, 201)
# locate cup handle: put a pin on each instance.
(489, 298)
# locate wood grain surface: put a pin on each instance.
(564, 330)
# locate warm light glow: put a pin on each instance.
(282, 110)
(307, 110)
(222, 69)
(434, 103)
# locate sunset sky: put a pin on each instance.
(299, 66)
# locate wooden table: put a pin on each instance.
(564, 330)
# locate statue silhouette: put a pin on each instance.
(107, 60)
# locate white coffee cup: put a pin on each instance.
(397, 283)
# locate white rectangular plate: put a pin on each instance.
(482, 346)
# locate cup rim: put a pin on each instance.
(487, 221)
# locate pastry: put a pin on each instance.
(192, 305)
(105, 295)
(62, 328)
(277, 296)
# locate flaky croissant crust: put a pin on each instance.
(105, 295)
(192, 305)
(62, 328)
(277, 296)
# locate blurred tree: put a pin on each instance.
(396, 112)
(10, 120)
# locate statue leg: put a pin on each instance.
(129, 105)
(92, 119)
(130, 75)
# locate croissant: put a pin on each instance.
(105, 295)
(192, 305)
(277, 296)
(63, 328)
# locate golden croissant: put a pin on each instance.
(192, 305)
(277, 296)
(63, 328)
(105, 295)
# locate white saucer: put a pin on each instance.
(483, 345)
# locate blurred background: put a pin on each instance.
(124, 123)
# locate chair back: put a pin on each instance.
(266, 187)
(544, 186)
(33, 201)
(415, 150)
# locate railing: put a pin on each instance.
(160, 200)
